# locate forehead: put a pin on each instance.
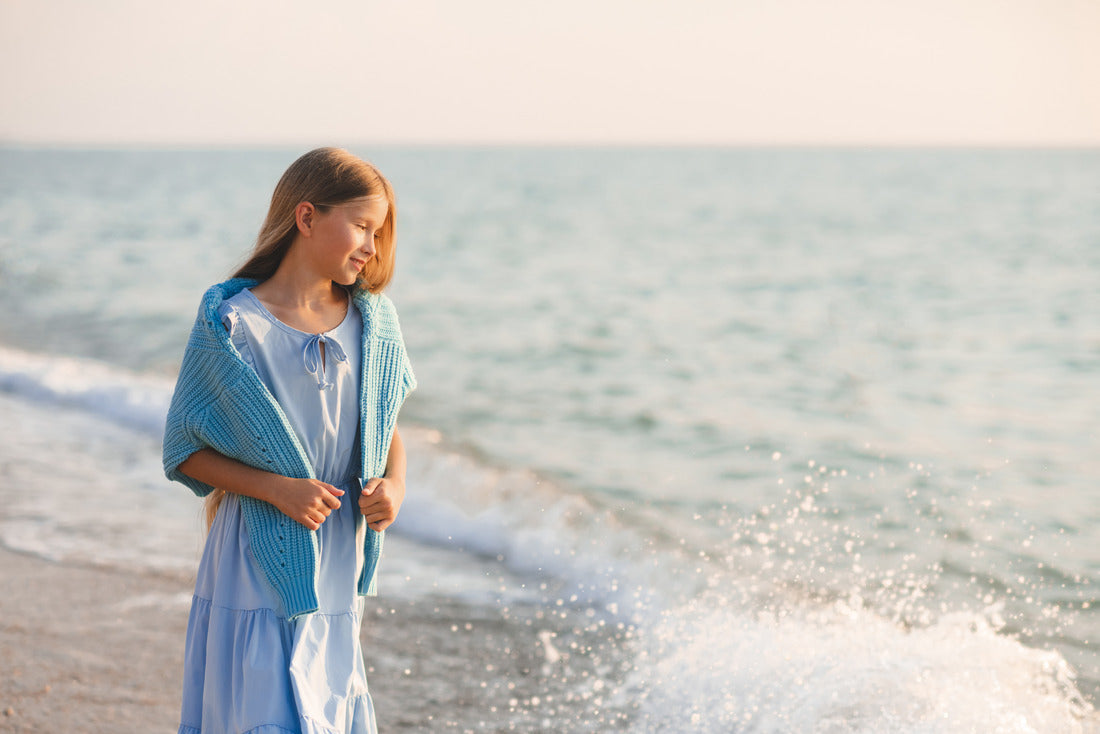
(367, 207)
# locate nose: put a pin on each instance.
(368, 247)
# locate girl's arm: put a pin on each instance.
(382, 496)
(308, 501)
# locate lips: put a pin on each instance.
(358, 263)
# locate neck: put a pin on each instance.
(294, 285)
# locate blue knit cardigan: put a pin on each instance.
(221, 402)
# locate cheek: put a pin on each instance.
(347, 241)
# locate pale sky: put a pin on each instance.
(732, 72)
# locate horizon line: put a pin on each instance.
(168, 146)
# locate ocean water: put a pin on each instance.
(763, 440)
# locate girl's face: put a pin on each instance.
(344, 237)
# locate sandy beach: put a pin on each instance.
(89, 649)
(98, 650)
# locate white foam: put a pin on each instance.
(129, 398)
(709, 668)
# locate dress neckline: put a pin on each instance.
(287, 327)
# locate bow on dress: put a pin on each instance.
(315, 365)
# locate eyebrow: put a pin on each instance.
(369, 220)
(363, 218)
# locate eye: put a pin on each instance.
(377, 235)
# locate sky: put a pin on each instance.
(675, 72)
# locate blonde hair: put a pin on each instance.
(210, 505)
(324, 177)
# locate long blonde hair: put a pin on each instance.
(210, 505)
(324, 177)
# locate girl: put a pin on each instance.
(287, 404)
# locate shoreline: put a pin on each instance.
(99, 650)
(92, 640)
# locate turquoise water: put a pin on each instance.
(835, 402)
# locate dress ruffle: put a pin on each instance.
(250, 670)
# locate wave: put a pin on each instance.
(454, 500)
(128, 398)
(719, 642)
(711, 646)
(579, 550)
(844, 669)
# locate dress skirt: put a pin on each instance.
(250, 670)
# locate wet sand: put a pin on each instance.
(89, 649)
(99, 650)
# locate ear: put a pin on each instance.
(303, 217)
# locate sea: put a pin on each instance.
(732, 439)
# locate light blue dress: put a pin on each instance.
(247, 668)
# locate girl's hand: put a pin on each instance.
(307, 501)
(380, 501)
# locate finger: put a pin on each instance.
(330, 501)
(372, 485)
(334, 490)
(380, 525)
(384, 508)
(376, 500)
(378, 516)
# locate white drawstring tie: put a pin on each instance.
(315, 364)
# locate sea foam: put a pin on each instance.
(712, 668)
(128, 398)
(703, 654)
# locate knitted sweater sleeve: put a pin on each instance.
(184, 427)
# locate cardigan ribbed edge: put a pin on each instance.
(220, 402)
